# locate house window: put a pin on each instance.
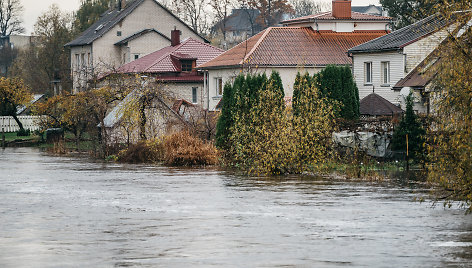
(219, 86)
(136, 56)
(368, 72)
(385, 65)
(187, 65)
(194, 94)
(82, 60)
(118, 33)
(77, 61)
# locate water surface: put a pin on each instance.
(74, 212)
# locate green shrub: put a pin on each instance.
(23, 133)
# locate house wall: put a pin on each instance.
(396, 60)
(145, 45)
(344, 26)
(419, 50)
(184, 91)
(287, 74)
(81, 71)
(148, 15)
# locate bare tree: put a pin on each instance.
(11, 12)
(193, 12)
(306, 7)
(222, 10)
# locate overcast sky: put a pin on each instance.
(34, 8)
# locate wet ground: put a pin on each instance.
(74, 212)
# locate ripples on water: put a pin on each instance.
(64, 211)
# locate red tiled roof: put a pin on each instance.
(166, 59)
(329, 16)
(293, 46)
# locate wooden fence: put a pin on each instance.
(8, 124)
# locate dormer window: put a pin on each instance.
(187, 65)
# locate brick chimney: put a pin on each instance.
(342, 9)
(175, 37)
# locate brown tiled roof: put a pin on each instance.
(329, 16)
(293, 46)
(375, 105)
(421, 75)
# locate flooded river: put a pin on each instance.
(73, 212)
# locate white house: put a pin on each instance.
(342, 19)
(124, 33)
(290, 49)
(380, 64)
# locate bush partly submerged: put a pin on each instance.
(178, 149)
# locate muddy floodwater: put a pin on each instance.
(60, 211)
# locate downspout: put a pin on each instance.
(206, 89)
(317, 27)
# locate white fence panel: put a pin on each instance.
(31, 122)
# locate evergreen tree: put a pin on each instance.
(225, 121)
(411, 126)
(337, 83)
(275, 84)
(301, 85)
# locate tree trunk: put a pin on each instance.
(142, 124)
(18, 122)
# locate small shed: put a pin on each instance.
(373, 105)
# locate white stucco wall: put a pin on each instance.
(287, 74)
(344, 26)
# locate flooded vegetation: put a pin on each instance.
(68, 211)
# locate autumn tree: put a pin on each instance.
(313, 124)
(406, 12)
(13, 93)
(48, 60)
(11, 12)
(449, 149)
(89, 12)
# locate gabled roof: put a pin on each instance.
(292, 46)
(364, 9)
(375, 105)
(109, 19)
(357, 16)
(240, 20)
(167, 59)
(403, 37)
(138, 34)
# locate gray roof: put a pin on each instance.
(402, 37)
(363, 9)
(138, 34)
(240, 20)
(109, 19)
(375, 105)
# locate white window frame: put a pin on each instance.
(385, 73)
(219, 86)
(368, 70)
